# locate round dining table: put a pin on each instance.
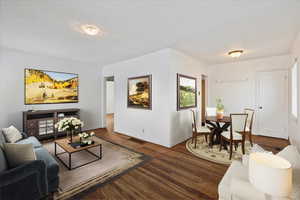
(218, 126)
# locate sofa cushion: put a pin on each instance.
(12, 134)
(51, 164)
(17, 154)
(30, 140)
(3, 162)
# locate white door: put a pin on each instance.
(272, 103)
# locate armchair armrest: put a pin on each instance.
(243, 189)
(29, 179)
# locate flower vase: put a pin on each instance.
(71, 136)
(220, 114)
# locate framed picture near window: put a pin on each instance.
(186, 92)
(140, 92)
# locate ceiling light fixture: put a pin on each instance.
(236, 53)
(90, 29)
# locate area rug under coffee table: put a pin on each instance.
(213, 154)
(116, 160)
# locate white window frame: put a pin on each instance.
(294, 89)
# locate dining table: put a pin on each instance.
(218, 125)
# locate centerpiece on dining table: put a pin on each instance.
(70, 125)
(220, 108)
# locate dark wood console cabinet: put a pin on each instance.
(40, 123)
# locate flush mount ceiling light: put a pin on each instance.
(90, 29)
(236, 53)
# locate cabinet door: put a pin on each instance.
(32, 128)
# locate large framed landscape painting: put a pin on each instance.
(47, 87)
(140, 92)
(186, 92)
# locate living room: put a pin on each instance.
(170, 63)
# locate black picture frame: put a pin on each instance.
(179, 107)
(26, 103)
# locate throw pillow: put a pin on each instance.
(17, 154)
(12, 134)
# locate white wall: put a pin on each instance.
(12, 64)
(181, 128)
(110, 97)
(163, 124)
(294, 125)
(150, 125)
(234, 82)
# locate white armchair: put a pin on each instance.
(235, 184)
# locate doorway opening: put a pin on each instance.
(203, 98)
(110, 103)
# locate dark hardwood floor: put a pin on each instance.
(173, 173)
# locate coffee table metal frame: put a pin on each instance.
(69, 164)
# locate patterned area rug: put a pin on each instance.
(213, 154)
(116, 161)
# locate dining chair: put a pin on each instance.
(249, 123)
(236, 134)
(198, 129)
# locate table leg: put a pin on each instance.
(211, 139)
(70, 161)
(224, 128)
(100, 151)
(211, 136)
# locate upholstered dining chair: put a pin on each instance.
(249, 123)
(236, 134)
(198, 129)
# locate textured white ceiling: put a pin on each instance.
(205, 29)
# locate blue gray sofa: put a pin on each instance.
(33, 180)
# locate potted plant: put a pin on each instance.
(220, 108)
(70, 125)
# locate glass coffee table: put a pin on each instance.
(68, 149)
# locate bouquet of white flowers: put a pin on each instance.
(85, 138)
(70, 125)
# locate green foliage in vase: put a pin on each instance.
(220, 106)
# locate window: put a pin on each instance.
(295, 89)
